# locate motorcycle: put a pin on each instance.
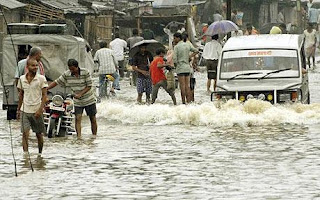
(107, 88)
(59, 117)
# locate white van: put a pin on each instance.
(265, 67)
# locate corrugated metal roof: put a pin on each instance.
(161, 3)
(169, 3)
(102, 5)
(141, 1)
(314, 1)
(11, 4)
(68, 6)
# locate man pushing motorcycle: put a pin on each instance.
(80, 82)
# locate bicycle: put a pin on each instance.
(108, 91)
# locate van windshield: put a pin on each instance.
(258, 63)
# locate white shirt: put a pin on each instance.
(310, 38)
(212, 50)
(32, 92)
(107, 61)
(118, 45)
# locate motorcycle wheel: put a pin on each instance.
(62, 132)
(107, 89)
(52, 124)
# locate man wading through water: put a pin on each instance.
(80, 82)
(32, 89)
(158, 76)
(181, 58)
(140, 64)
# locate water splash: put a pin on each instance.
(231, 113)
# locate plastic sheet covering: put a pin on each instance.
(56, 50)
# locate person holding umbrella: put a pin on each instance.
(181, 58)
(140, 63)
(211, 52)
(131, 41)
(221, 27)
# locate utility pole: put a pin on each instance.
(228, 14)
(300, 20)
(113, 20)
(228, 9)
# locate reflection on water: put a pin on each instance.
(175, 162)
(200, 151)
(36, 164)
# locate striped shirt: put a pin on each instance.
(77, 84)
(107, 61)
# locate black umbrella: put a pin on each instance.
(151, 45)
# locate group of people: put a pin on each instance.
(33, 86)
(151, 70)
(182, 58)
(150, 76)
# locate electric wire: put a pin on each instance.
(7, 101)
(7, 97)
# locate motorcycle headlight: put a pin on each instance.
(57, 100)
(69, 103)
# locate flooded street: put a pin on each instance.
(200, 151)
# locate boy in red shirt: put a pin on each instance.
(158, 77)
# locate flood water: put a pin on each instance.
(200, 151)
